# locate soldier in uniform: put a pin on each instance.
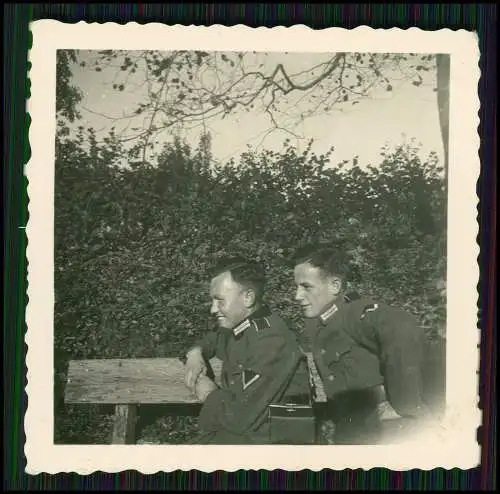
(369, 355)
(262, 362)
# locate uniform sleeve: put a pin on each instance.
(273, 364)
(209, 344)
(401, 346)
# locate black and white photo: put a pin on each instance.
(261, 238)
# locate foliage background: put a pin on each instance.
(132, 244)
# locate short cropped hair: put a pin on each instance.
(246, 272)
(331, 259)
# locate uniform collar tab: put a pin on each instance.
(245, 324)
(260, 313)
(328, 313)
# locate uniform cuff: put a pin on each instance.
(195, 349)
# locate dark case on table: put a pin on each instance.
(292, 422)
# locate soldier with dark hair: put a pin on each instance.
(262, 363)
(369, 355)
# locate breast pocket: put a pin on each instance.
(336, 358)
(338, 353)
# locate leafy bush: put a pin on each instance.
(132, 244)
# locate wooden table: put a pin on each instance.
(127, 383)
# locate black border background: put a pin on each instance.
(481, 18)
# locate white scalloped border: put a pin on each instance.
(456, 447)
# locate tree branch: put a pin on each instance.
(189, 87)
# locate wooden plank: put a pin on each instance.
(124, 426)
(143, 381)
(131, 381)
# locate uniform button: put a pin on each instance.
(240, 366)
(331, 377)
(322, 351)
(231, 382)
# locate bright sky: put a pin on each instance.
(406, 113)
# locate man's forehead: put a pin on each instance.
(307, 271)
(222, 281)
(306, 268)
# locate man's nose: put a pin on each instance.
(213, 308)
(298, 295)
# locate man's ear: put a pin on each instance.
(335, 285)
(249, 297)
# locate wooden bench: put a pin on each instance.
(129, 383)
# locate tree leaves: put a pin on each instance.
(214, 84)
(258, 206)
(68, 95)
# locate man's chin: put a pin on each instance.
(308, 313)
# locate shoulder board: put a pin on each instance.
(260, 324)
(349, 297)
(368, 308)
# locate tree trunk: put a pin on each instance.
(443, 99)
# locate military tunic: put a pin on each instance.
(262, 364)
(367, 353)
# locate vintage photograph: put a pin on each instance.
(252, 246)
